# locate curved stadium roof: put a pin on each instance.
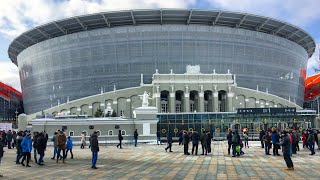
(160, 16)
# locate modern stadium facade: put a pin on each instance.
(106, 60)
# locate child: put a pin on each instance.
(241, 146)
(69, 147)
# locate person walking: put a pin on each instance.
(83, 140)
(35, 145)
(262, 133)
(204, 142)
(195, 137)
(246, 139)
(19, 148)
(267, 143)
(26, 146)
(180, 134)
(159, 138)
(310, 141)
(186, 140)
(54, 139)
(9, 139)
(286, 150)
(41, 146)
(62, 139)
(94, 145)
(229, 138)
(235, 143)
(1, 153)
(318, 135)
(14, 137)
(135, 136)
(169, 141)
(120, 138)
(209, 141)
(69, 147)
(275, 138)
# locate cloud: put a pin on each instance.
(313, 63)
(9, 74)
(16, 16)
(297, 12)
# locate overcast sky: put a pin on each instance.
(17, 16)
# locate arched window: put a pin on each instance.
(71, 133)
(98, 132)
(123, 132)
(110, 133)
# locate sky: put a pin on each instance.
(18, 16)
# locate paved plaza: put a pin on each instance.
(148, 161)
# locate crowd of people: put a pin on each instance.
(25, 142)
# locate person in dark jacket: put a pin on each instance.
(9, 139)
(169, 141)
(267, 143)
(186, 140)
(35, 145)
(180, 134)
(229, 138)
(195, 137)
(310, 141)
(14, 137)
(135, 136)
(94, 145)
(235, 143)
(4, 138)
(69, 147)
(1, 152)
(26, 146)
(286, 150)
(41, 146)
(262, 133)
(204, 143)
(120, 138)
(159, 138)
(19, 148)
(209, 141)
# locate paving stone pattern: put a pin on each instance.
(150, 161)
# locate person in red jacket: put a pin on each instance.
(304, 139)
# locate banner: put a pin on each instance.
(5, 126)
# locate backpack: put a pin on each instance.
(235, 138)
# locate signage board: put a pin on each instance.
(289, 110)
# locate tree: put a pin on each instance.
(114, 114)
(98, 113)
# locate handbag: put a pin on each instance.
(238, 149)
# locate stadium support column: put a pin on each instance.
(230, 96)
(187, 100)
(201, 99)
(215, 100)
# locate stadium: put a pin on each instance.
(106, 60)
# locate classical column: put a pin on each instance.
(187, 100)
(229, 100)
(215, 100)
(172, 102)
(201, 102)
(128, 112)
(156, 96)
(115, 107)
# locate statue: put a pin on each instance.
(193, 69)
(145, 99)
